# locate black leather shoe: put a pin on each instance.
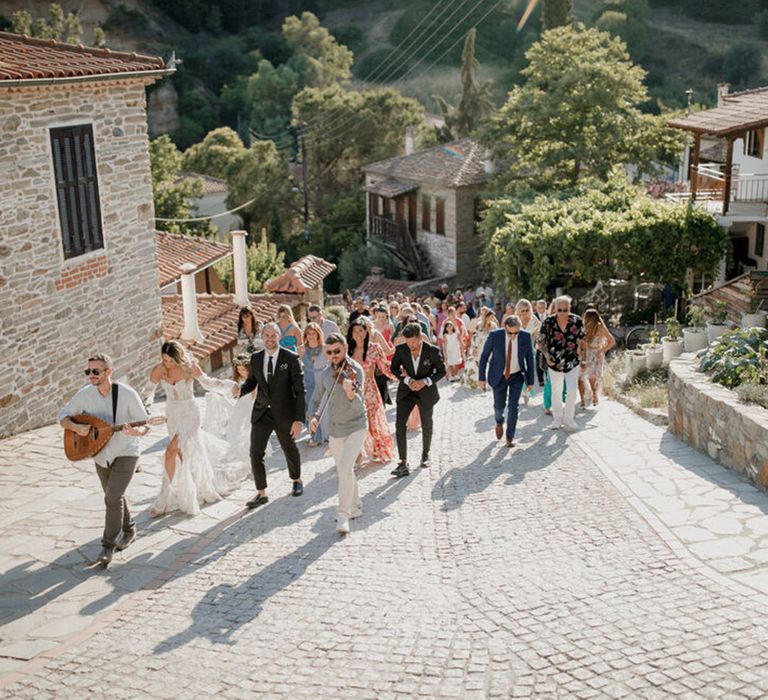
(257, 501)
(298, 488)
(425, 463)
(105, 556)
(127, 539)
(402, 470)
(399, 464)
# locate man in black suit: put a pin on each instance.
(419, 367)
(279, 406)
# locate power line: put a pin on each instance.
(206, 218)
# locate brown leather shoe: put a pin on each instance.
(499, 430)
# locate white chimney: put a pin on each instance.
(722, 91)
(489, 164)
(189, 299)
(240, 268)
(410, 140)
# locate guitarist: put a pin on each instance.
(117, 461)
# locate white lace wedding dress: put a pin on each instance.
(197, 479)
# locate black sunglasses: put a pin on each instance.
(330, 353)
(94, 372)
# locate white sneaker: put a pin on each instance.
(570, 427)
(342, 525)
(554, 425)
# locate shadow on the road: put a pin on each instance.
(542, 449)
(225, 608)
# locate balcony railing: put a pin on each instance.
(745, 188)
(385, 228)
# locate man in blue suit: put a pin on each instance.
(510, 351)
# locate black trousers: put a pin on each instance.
(541, 365)
(260, 432)
(404, 408)
(381, 383)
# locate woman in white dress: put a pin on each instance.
(452, 350)
(484, 324)
(189, 478)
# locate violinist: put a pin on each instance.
(339, 392)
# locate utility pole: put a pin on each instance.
(304, 178)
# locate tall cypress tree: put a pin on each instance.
(556, 13)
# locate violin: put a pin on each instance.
(346, 371)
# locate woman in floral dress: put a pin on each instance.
(485, 323)
(597, 341)
(379, 445)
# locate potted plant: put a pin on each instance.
(634, 361)
(671, 343)
(695, 335)
(718, 320)
(654, 353)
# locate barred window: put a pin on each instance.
(77, 191)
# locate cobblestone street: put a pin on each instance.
(615, 562)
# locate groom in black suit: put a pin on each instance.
(279, 407)
(419, 367)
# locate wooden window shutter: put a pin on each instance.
(440, 215)
(426, 213)
(77, 189)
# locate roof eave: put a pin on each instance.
(98, 77)
(720, 133)
(205, 266)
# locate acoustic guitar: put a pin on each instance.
(77, 447)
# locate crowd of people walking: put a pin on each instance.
(334, 385)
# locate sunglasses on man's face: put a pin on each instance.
(563, 311)
(94, 372)
(333, 353)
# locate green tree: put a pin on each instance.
(172, 199)
(556, 13)
(742, 62)
(351, 128)
(259, 173)
(263, 261)
(215, 154)
(474, 102)
(627, 19)
(578, 113)
(316, 60)
(58, 26)
(596, 231)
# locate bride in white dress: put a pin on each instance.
(190, 478)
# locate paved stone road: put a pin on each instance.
(544, 572)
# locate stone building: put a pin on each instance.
(302, 282)
(78, 268)
(423, 206)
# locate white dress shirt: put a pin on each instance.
(416, 361)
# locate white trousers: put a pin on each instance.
(345, 451)
(571, 379)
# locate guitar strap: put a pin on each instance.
(114, 403)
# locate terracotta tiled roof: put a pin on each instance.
(305, 274)
(455, 164)
(377, 288)
(391, 188)
(27, 58)
(211, 185)
(173, 250)
(217, 318)
(739, 112)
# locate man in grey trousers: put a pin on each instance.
(117, 460)
(339, 391)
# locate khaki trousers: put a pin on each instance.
(345, 451)
(114, 479)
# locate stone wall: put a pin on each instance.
(441, 248)
(56, 311)
(710, 418)
(468, 242)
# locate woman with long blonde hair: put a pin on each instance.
(290, 335)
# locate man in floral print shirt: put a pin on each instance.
(559, 341)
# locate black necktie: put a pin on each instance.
(270, 369)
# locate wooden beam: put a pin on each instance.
(695, 165)
(728, 173)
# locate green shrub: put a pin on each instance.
(695, 316)
(383, 66)
(738, 357)
(760, 20)
(742, 62)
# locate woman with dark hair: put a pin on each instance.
(379, 445)
(249, 331)
(189, 479)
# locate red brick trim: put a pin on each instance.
(75, 275)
